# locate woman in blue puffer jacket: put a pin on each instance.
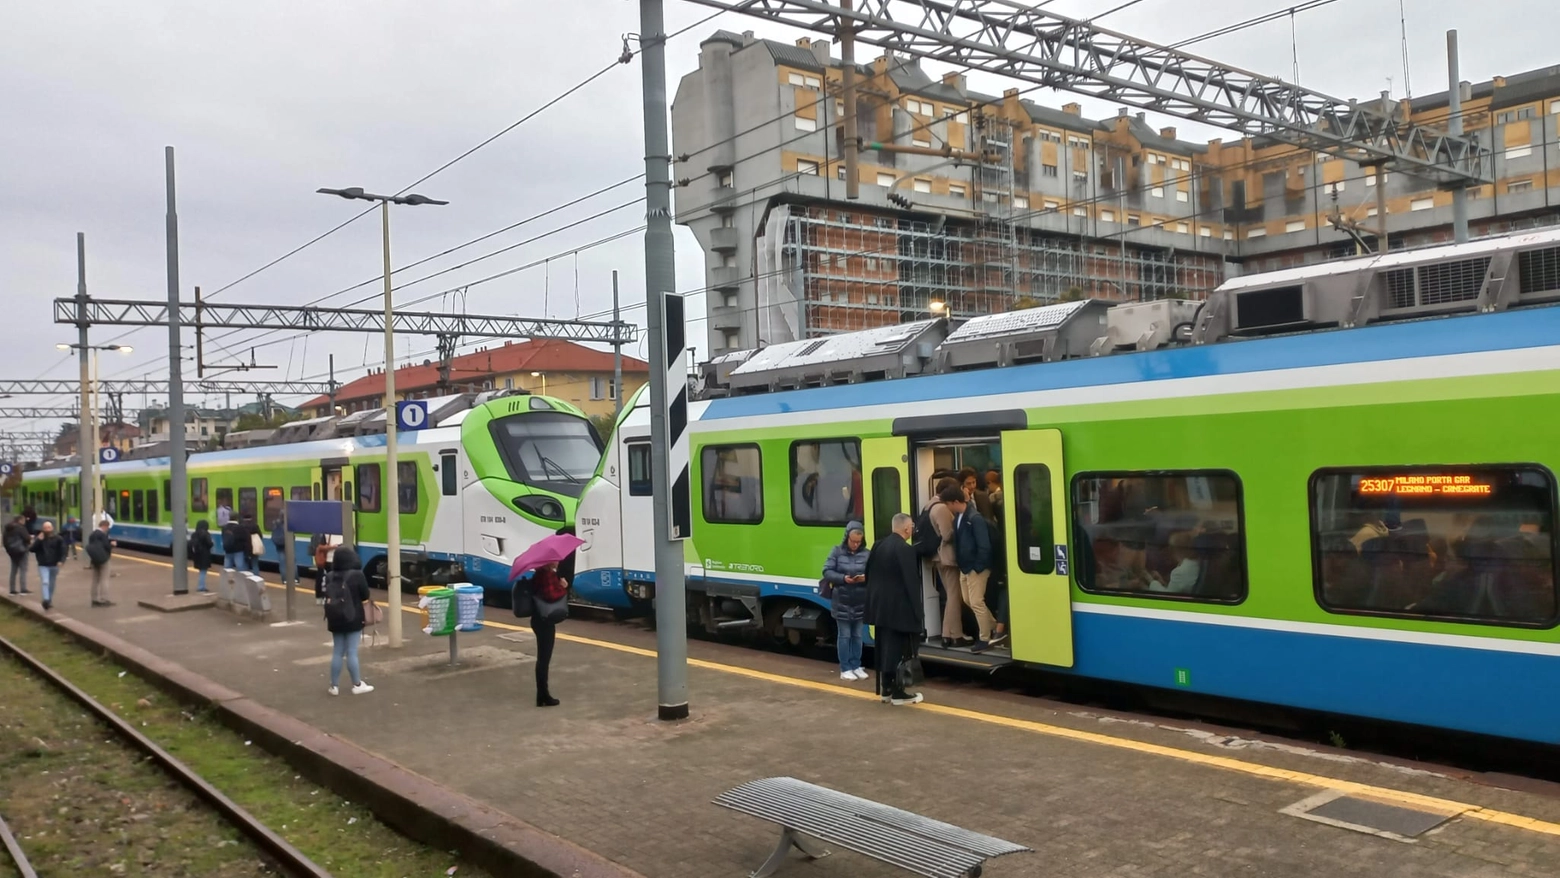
(846, 570)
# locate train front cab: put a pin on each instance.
(898, 472)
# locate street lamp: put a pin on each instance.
(87, 430)
(392, 474)
(543, 376)
(937, 308)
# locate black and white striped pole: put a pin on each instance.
(668, 384)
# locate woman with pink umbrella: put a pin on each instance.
(544, 597)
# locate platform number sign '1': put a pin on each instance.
(677, 477)
(108, 455)
(411, 415)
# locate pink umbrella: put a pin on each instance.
(547, 550)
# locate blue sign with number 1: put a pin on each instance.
(411, 415)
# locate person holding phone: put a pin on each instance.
(846, 573)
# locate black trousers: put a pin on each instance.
(546, 634)
(891, 647)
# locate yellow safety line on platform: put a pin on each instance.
(1385, 794)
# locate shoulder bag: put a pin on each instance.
(551, 612)
(826, 589)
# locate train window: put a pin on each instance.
(317, 495)
(1034, 519)
(885, 500)
(1463, 543)
(449, 479)
(368, 487)
(826, 482)
(639, 469)
(273, 509)
(225, 498)
(1160, 534)
(406, 486)
(247, 503)
(299, 492)
(151, 505)
(733, 478)
(167, 495)
(198, 488)
(137, 505)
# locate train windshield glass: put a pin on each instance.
(550, 450)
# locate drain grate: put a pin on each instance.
(1368, 815)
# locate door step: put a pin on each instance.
(989, 660)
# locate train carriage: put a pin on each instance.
(1305, 492)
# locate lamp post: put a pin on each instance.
(392, 475)
(87, 430)
(543, 376)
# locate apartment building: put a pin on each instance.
(1011, 203)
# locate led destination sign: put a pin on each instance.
(1427, 484)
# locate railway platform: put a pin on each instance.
(1092, 793)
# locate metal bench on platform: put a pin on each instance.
(911, 842)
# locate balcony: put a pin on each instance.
(725, 277)
(724, 240)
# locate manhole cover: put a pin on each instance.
(1368, 815)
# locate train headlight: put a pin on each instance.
(541, 507)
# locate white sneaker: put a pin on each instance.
(362, 689)
(861, 673)
(333, 691)
(848, 675)
(914, 699)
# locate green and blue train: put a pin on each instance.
(491, 475)
(1352, 466)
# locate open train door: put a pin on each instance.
(1039, 589)
(885, 463)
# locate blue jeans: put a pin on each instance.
(847, 639)
(233, 561)
(46, 575)
(345, 648)
(200, 579)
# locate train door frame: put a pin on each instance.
(332, 466)
(1039, 578)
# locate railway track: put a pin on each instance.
(275, 849)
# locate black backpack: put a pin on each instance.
(926, 540)
(340, 609)
(233, 538)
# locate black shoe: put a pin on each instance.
(47, 606)
(980, 646)
(25, 591)
(545, 700)
(998, 637)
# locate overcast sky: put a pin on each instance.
(267, 102)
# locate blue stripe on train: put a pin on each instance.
(1484, 691)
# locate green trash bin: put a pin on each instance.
(442, 613)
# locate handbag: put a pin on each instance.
(256, 545)
(910, 672)
(520, 599)
(551, 612)
(826, 589)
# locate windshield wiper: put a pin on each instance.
(549, 462)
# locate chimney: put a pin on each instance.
(1167, 133)
(1072, 109)
(1010, 94)
(747, 38)
(804, 43)
(954, 80)
(1142, 116)
(1499, 82)
(820, 50)
(1121, 112)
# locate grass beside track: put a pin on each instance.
(342, 837)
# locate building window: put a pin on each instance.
(1334, 188)
(920, 108)
(725, 180)
(1471, 544)
(1077, 142)
(1133, 219)
(1205, 231)
(805, 124)
(989, 197)
(1157, 192)
(1107, 216)
(1164, 535)
(884, 222)
(1021, 202)
(1554, 106)
(1181, 164)
(273, 509)
(1154, 158)
(962, 118)
(839, 172)
(1183, 228)
(826, 482)
(1080, 177)
(198, 488)
(1518, 152)
(730, 338)
(1050, 136)
(885, 179)
(602, 388)
(368, 487)
(1182, 196)
(807, 166)
(1421, 204)
(1229, 235)
(922, 185)
(733, 482)
(956, 190)
(1514, 186)
(1048, 170)
(803, 81)
(1294, 226)
(1516, 115)
(1370, 178)
(920, 141)
(1080, 211)
(1256, 233)
(1052, 205)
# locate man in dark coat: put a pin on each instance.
(894, 606)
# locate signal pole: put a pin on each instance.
(86, 425)
(178, 485)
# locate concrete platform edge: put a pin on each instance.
(416, 806)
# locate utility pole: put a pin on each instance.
(391, 498)
(671, 630)
(847, 37)
(617, 357)
(86, 427)
(1454, 127)
(178, 485)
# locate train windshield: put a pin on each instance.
(549, 450)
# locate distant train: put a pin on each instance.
(492, 474)
(1301, 492)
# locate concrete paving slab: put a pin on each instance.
(177, 603)
(1093, 795)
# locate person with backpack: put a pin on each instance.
(17, 542)
(201, 547)
(846, 573)
(50, 549)
(346, 591)
(99, 550)
(252, 545)
(942, 513)
(233, 541)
